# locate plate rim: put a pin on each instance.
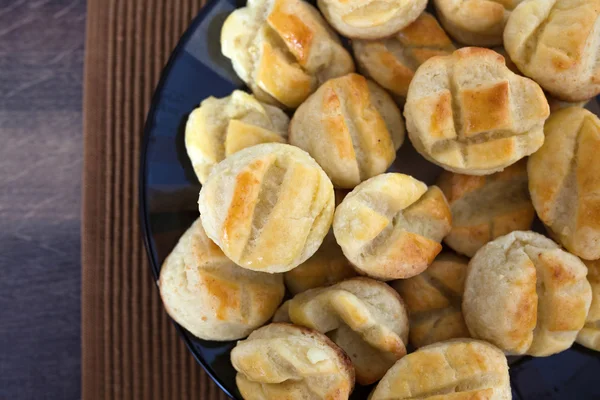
(143, 214)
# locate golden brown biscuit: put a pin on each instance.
(486, 207)
(283, 50)
(391, 226)
(327, 266)
(220, 127)
(351, 127)
(470, 114)
(209, 295)
(284, 361)
(475, 22)
(460, 369)
(365, 317)
(433, 299)
(589, 336)
(526, 295)
(557, 42)
(564, 180)
(268, 207)
(392, 62)
(370, 19)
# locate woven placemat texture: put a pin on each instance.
(130, 349)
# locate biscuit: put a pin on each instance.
(557, 43)
(284, 361)
(220, 127)
(370, 19)
(564, 180)
(365, 317)
(268, 207)
(556, 104)
(392, 62)
(589, 336)
(470, 114)
(526, 295)
(210, 296)
(351, 127)
(486, 207)
(456, 369)
(391, 226)
(283, 50)
(475, 22)
(283, 313)
(327, 266)
(433, 299)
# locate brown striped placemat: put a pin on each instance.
(130, 349)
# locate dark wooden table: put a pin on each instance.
(41, 69)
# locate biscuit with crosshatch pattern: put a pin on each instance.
(268, 207)
(433, 299)
(486, 207)
(392, 62)
(468, 113)
(351, 127)
(475, 22)
(557, 43)
(283, 50)
(220, 127)
(365, 317)
(285, 361)
(459, 369)
(210, 296)
(391, 226)
(564, 180)
(370, 19)
(526, 295)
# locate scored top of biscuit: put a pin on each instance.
(470, 114)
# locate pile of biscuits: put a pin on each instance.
(305, 203)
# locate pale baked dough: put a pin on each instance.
(475, 22)
(370, 19)
(526, 295)
(470, 114)
(283, 313)
(564, 180)
(283, 50)
(210, 296)
(391, 226)
(365, 317)
(486, 207)
(327, 266)
(284, 361)
(351, 127)
(220, 127)
(392, 62)
(268, 207)
(589, 336)
(557, 43)
(556, 104)
(433, 299)
(459, 369)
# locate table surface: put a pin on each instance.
(41, 70)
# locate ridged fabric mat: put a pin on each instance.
(130, 349)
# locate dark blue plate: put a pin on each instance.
(169, 194)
